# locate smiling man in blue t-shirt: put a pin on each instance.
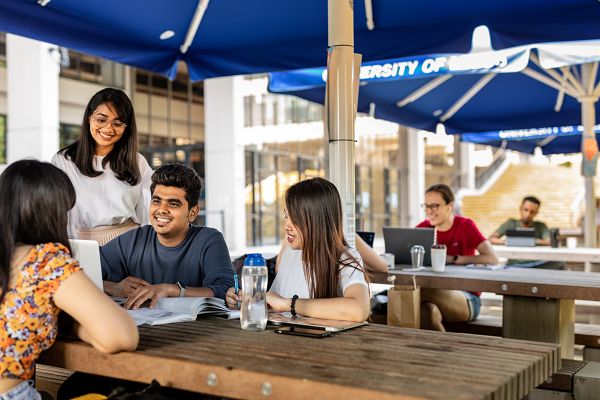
(169, 258)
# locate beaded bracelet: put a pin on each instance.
(293, 305)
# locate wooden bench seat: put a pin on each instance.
(48, 379)
(585, 334)
(562, 380)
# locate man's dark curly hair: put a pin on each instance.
(180, 176)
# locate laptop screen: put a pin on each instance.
(368, 237)
(399, 241)
(520, 237)
(87, 252)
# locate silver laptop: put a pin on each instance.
(87, 252)
(520, 237)
(398, 241)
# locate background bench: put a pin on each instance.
(587, 335)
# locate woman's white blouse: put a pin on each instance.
(290, 279)
(105, 200)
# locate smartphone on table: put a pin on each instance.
(293, 330)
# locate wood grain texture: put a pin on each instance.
(374, 361)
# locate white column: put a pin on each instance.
(412, 181)
(340, 105)
(463, 159)
(32, 93)
(224, 159)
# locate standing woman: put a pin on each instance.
(111, 179)
(318, 275)
(465, 244)
(38, 278)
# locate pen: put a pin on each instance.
(236, 286)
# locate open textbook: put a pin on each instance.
(180, 309)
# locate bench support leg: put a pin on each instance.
(540, 319)
(586, 382)
(591, 354)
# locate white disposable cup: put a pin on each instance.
(390, 260)
(571, 242)
(438, 258)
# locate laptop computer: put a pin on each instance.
(524, 237)
(329, 325)
(87, 252)
(398, 241)
(368, 237)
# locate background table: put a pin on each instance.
(577, 254)
(538, 304)
(372, 362)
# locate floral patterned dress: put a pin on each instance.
(28, 315)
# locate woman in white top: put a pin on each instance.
(111, 179)
(318, 275)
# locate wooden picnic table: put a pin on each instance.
(538, 304)
(216, 357)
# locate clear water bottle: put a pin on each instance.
(254, 285)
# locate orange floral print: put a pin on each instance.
(28, 315)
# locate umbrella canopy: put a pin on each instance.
(473, 92)
(230, 37)
(551, 140)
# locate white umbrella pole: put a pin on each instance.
(588, 117)
(340, 107)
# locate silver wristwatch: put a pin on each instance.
(181, 289)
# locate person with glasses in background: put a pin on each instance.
(465, 244)
(111, 179)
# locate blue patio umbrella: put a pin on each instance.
(551, 140)
(227, 37)
(424, 91)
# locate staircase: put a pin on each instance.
(556, 186)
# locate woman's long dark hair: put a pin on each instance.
(35, 197)
(123, 156)
(314, 207)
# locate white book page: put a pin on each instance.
(153, 316)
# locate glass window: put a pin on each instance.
(88, 68)
(264, 110)
(68, 134)
(248, 101)
(2, 49)
(268, 175)
(155, 84)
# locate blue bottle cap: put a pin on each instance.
(254, 259)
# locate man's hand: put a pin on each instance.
(125, 288)
(278, 303)
(232, 299)
(152, 293)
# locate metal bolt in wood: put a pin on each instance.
(211, 379)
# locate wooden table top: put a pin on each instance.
(375, 361)
(546, 253)
(529, 282)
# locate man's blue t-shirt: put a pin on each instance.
(201, 260)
